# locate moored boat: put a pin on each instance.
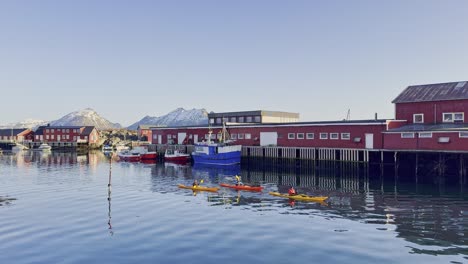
(176, 156)
(127, 155)
(44, 147)
(145, 154)
(300, 197)
(199, 188)
(221, 153)
(107, 148)
(19, 147)
(242, 187)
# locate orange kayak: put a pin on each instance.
(243, 187)
(199, 188)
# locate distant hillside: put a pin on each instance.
(85, 117)
(28, 123)
(178, 117)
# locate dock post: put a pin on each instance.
(395, 157)
(416, 167)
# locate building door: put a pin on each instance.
(195, 138)
(369, 141)
(268, 138)
(181, 138)
(160, 139)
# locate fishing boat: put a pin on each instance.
(221, 153)
(145, 154)
(242, 187)
(127, 155)
(300, 197)
(44, 147)
(176, 156)
(199, 188)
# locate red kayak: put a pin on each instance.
(243, 187)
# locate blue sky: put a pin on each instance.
(128, 59)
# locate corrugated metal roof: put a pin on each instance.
(255, 113)
(316, 123)
(433, 92)
(430, 127)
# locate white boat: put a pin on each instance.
(121, 147)
(44, 147)
(18, 147)
(107, 148)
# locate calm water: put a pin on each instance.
(55, 209)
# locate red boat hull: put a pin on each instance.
(243, 187)
(149, 156)
(177, 159)
(129, 158)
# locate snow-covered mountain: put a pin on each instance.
(178, 117)
(28, 123)
(85, 117)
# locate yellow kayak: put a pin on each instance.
(300, 197)
(199, 188)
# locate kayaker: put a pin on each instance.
(238, 180)
(291, 191)
(195, 183)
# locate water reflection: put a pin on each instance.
(422, 214)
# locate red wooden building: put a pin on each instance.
(79, 134)
(16, 135)
(144, 132)
(332, 134)
(430, 117)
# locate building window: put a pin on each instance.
(345, 136)
(323, 135)
(169, 136)
(425, 134)
(418, 118)
(233, 136)
(47, 130)
(463, 134)
(52, 130)
(310, 135)
(218, 120)
(334, 135)
(241, 119)
(407, 135)
(453, 117)
(248, 136)
(233, 119)
(47, 137)
(257, 119)
(212, 120)
(291, 136)
(300, 135)
(74, 138)
(249, 119)
(240, 136)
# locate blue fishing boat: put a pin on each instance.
(221, 153)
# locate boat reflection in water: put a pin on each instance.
(210, 171)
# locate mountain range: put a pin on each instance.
(89, 117)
